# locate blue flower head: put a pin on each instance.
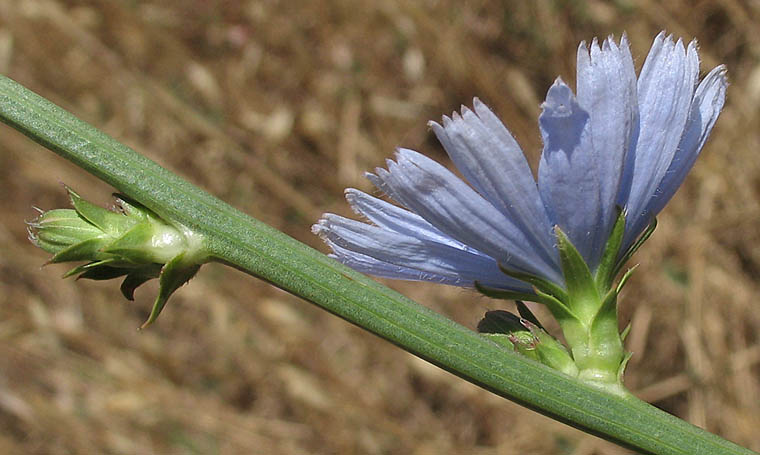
(619, 142)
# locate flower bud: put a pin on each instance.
(527, 338)
(131, 241)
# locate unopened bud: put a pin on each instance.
(528, 339)
(131, 242)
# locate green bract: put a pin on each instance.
(586, 310)
(132, 242)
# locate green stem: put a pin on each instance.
(249, 245)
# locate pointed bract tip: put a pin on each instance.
(144, 325)
(31, 235)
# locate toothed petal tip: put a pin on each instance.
(559, 99)
(351, 193)
(320, 226)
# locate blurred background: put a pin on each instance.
(276, 106)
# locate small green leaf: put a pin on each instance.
(623, 364)
(82, 251)
(545, 286)
(636, 245)
(134, 245)
(607, 312)
(626, 276)
(102, 273)
(173, 275)
(136, 279)
(108, 221)
(558, 309)
(502, 294)
(583, 298)
(625, 332)
(84, 267)
(605, 343)
(604, 272)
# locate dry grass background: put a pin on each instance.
(276, 106)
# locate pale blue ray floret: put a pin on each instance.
(614, 154)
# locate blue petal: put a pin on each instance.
(705, 108)
(397, 219)
(568, 172)
(369, 265)
(449, 204)
(665, 88)
(607, 91)
(488, 156)
(392, 254)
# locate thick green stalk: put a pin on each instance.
(247, 244)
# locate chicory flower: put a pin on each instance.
(618, 143)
